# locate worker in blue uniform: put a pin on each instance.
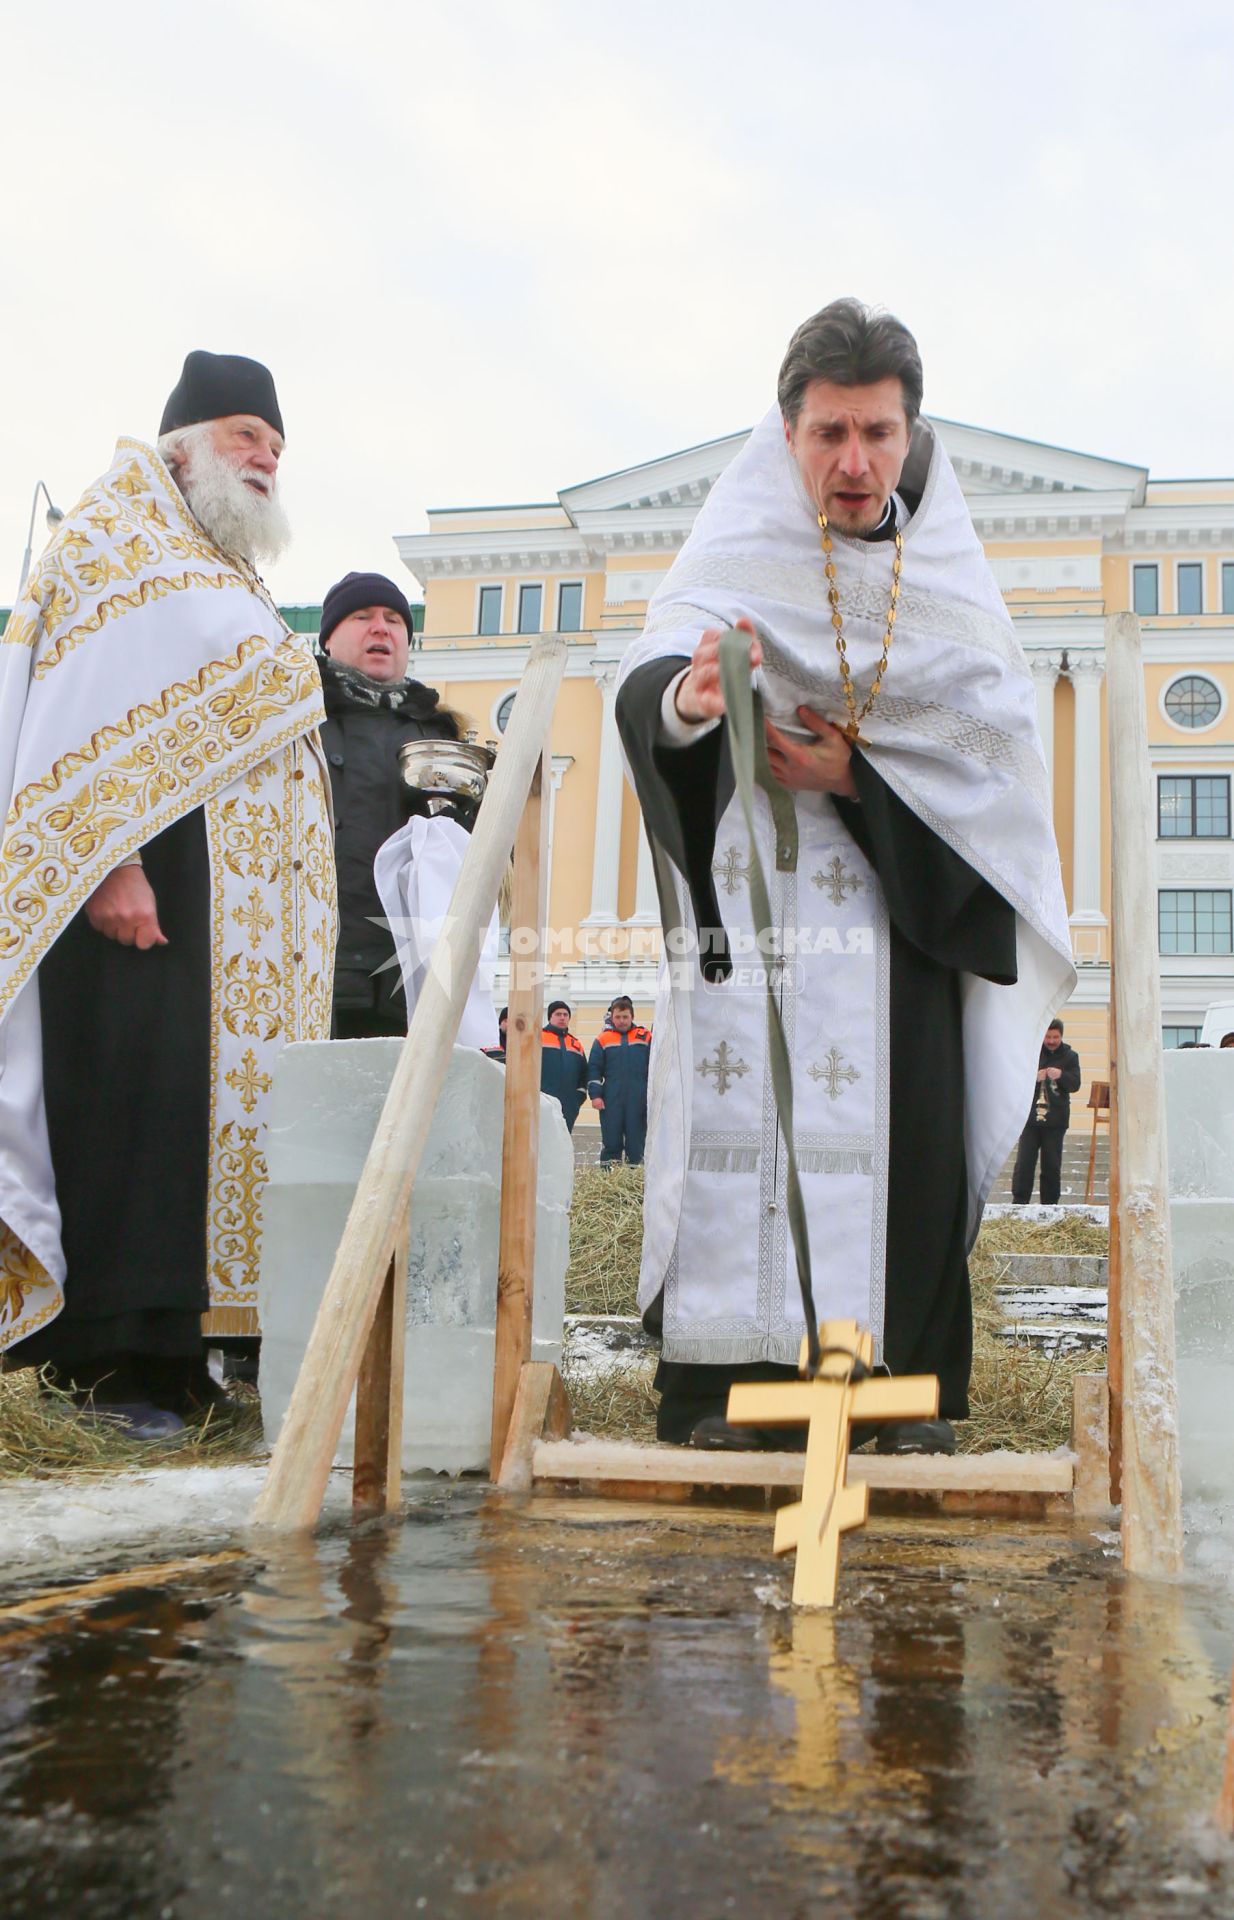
(563, 1062)
(617, 1084)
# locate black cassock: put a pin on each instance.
(945, 920)
(126, 1082)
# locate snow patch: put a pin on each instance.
(51, 1526)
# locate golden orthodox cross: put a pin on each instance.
(827, 1405)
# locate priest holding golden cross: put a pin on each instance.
(916, 936)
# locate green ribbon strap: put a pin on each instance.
(751, 768)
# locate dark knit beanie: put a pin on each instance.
(356, 590)
(213, 385)
(553, 1006)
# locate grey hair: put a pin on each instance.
(853, 346)
(182, 440)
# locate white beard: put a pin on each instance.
(239, 519)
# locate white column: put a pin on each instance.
(646, 900)
(1045, 670)
(610, 789)
(1086, 671)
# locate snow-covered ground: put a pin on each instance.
(1035, 1215)
(52, 1528)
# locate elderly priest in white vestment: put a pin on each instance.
(168, 913)
(923, 923)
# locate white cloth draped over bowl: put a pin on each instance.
(416, 871)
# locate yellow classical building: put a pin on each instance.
(1071, 537)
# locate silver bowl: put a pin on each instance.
(447, 770)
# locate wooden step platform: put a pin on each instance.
(1021, 1484)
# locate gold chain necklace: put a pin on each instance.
(852, 731)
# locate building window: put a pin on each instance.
(1195, 920)
(490, 610)
(1190, 586)
(1144, 588)
(530, 603)
(505, 707)
(1193, 806)
(1193, 701)
(1227, 586)
(1180, 1036)
(570, 607)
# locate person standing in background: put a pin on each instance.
(1058, 1077)
(563, 1064)
(617, 1084)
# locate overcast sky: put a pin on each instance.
(491, 248)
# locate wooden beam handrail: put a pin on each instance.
(299, 1470)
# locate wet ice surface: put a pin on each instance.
(563, 1708)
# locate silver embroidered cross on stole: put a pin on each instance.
(827, 1405)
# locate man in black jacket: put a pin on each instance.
(372, 707)
(1058, 1077)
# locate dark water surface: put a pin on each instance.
(557, 1708)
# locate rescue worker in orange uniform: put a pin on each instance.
(617, 1084)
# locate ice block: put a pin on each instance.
(325, 1103)
(1199, 1090)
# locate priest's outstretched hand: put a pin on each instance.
(699, 695)
(818, 765)
(122, 907)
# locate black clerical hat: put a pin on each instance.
(213, 385)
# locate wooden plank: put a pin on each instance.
(1114, 1291)
(616, 1460)
(1225, 1802)
(377, 1473)
(1090, 1442)
(541, 1411)
(85, 1592)
(300, 1468)
(1152, 1529)
(398, 1367)
(520, 1147)
(371, 1457)
(43, 1613)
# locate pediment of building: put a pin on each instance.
(986, 463)
(676, 480)
(1015, 488)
